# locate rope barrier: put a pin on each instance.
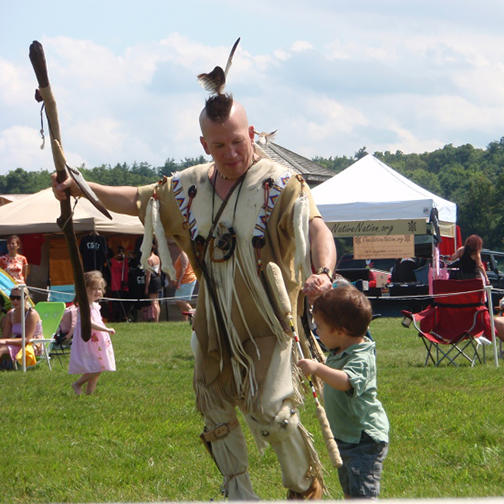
(488, 289)
(431, 296)
(133, 300)
(195, 296)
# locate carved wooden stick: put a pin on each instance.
(65, 222)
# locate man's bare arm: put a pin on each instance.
(323, 250)
(120, 199)
(323, 255)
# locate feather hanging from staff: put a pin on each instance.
(215, 81)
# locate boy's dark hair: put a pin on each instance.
(345, 308)
(218, 107)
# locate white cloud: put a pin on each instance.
(329, 117)
(20, 148)
(407, 142)
(16, 84)
(483, 85)
(336, 50)
(457, 113)
(102, 135)
(404, 79)
(281, 54)
(301, 46)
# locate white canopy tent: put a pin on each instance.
(37, 213)
(369, 190)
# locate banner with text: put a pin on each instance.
(384, 247)
(382, 227)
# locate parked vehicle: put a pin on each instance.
(494, 263)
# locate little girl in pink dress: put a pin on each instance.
(96, 355)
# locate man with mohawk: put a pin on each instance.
(232, 217)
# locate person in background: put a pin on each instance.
(185, 280)
(11, 342)
(153, 285)
(356, 416)
(468, 260)
(469, 264)
(119, 270)
(404, 270)
(14, 263)
(90, 358)
(3, 312)
(67, 325)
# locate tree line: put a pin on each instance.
(471, 177)
(20, 181)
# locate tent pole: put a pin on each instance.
(23, 325)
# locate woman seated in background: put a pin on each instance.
(469, 264)
(468, 260)
(11, 342)
(66, 328)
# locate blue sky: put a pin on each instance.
(331, 75)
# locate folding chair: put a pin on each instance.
(456, 324)
(50, 313)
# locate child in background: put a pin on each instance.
(96, 355)
(357, 418)
(67, 325)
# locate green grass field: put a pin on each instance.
(136, 439)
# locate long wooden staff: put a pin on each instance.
(277, 286)
(64, 221)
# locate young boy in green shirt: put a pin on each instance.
(357, 418)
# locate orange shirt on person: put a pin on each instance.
(189, 276)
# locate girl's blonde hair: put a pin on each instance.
(94, 279)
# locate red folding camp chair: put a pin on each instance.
(456, 324)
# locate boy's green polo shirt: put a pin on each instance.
(349, 413)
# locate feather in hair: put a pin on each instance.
(215, 81)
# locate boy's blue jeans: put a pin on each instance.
(362, 466)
